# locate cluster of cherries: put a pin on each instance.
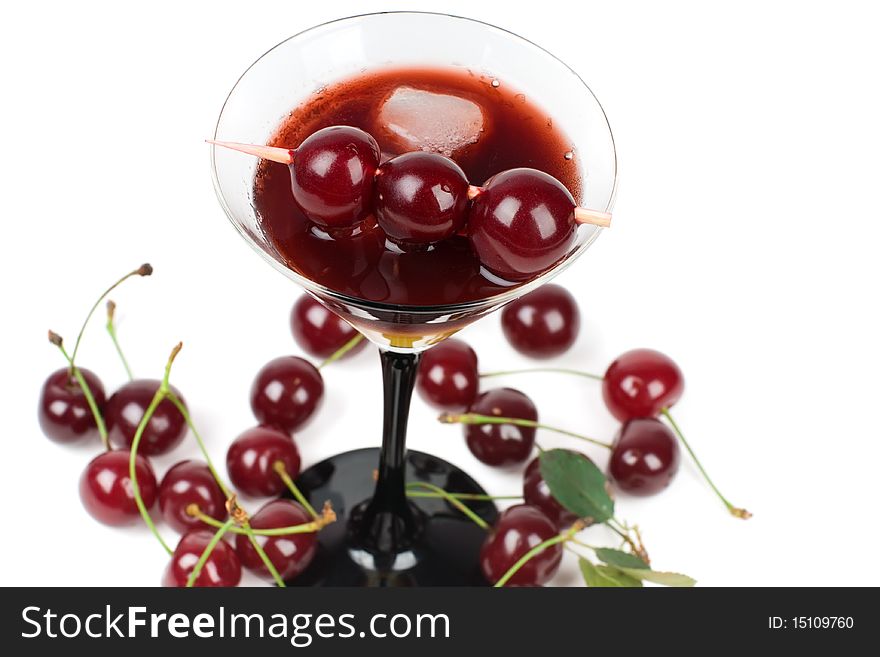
(261, 462)
(519, 223)
(500, 424)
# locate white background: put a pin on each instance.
(744, 245)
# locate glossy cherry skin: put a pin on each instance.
(332, 176)
(290, 554)
(641, 383)
(537, 493)
(502, 444)
(106, 489)
(518, 530)
(420, 198)
(645, 457)
(521, 224)
(63, 411)
(190, 482)
(319, 331)
(125, 409)
(286, 393)
(251, 460)
(223, 567)
(448, 378)
(543, 323)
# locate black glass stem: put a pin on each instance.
(381, 536)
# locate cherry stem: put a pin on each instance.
(344, 349)
(475, 418)
(111, 329)
(279, 468)
(556, 370)
(453, 501)
(132, 466)
(144, 270)
(734, 511)
(206, 553)
(565, 536)
(55, 339)
(306, 528)
(174, 399)
(463, 496)
(636, 546)
(279, 582)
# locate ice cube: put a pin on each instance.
(415, 119)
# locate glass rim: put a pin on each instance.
(501, 298)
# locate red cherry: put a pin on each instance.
(537, 493)
(543, 323)
(319, 331)
(448, 378)
(501, 444)
(518, 530)
(190, 482)
(332, 176)
(286, 393)
(222, 568)
(645, 457)
(521, 224)
(63, 411)
(641, 383)
(251, 460)
(420, 198)
(125, 410)
(290, 554)
(106, 489)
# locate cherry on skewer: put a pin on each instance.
(331, 173)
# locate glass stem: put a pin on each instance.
(389, 519)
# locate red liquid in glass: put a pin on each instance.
(517, 134)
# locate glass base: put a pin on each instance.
(436, 546)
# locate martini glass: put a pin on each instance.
(382, 538)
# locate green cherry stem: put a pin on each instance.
(734, 511)
(161, 393)
(475, 418)
(264, 557)
(279, 468)
(111, 329)
(478, 521)
(344, 349)
(462, 496)
(565, 536)
(144, 270)
(55, 339)
(174, 399)
(206, 553)
(554, 370)
(306, 528)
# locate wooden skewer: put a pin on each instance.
(285, 156)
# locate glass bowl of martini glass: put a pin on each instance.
(489, 100)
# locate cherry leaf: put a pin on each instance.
(620, 559)
(577, 484)
(599, 576)
(659, 577)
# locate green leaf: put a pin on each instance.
(606, 576)
(659, 577)
(577, 484)
(620, 559)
